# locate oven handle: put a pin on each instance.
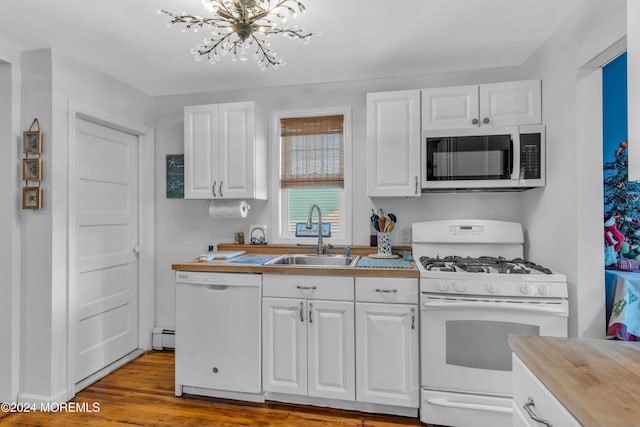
(496, 305)
(472, 406)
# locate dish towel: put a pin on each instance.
(383, 263)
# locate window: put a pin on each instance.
(313, 161)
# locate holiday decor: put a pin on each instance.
(622, 209)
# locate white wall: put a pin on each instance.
(50, 81)
(37, 287)
(184, 229)
(560, 219)
(9, 223)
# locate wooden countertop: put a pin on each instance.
(225, 266)
(598, 381)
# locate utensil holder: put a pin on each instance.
(384, 244)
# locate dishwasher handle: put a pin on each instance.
(216, 287)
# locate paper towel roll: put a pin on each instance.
(228, 209)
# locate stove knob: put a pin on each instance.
(442, 285)
(542, 290)
(524, 289)
(492, 288)
(459, 287)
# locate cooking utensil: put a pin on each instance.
(374, 220)
(393, 217)
(389, 227)
(382, 222)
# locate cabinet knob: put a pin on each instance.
(215, 370)
(486, 120)
(474, 122)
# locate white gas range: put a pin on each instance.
(476, 289)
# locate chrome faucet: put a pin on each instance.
(320, 250)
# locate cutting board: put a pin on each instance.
(211, 256)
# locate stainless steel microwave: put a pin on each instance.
(493, 159)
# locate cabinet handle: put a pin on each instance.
(393, 291)
(213, 188)
(486, 120)
(302, 311)
(528, 409)
(313, 288)
(417, 182)
(413, 318)
(310, 312)
(474, 122)
(220, 188)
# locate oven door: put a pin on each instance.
(465, 344)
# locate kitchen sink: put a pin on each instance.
(309, 260)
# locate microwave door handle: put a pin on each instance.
(515, 158)
(531, 308)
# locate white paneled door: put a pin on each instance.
(106, 234)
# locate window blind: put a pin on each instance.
(312, 152)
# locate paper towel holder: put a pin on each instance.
(258, 236)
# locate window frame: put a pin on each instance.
(280, 203)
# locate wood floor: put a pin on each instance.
(142, 394)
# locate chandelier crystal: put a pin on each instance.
(242, 27)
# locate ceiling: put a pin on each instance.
(359, 39)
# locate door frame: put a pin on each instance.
(146, 236)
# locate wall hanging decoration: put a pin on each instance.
(175, 176)
(32, 167)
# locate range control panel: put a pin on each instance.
(466, 230)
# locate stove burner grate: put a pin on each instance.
(482, 264)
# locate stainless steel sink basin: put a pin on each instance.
(309, 260)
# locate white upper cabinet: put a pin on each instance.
(393, 144)
(494, 104)
(450, 107)
(225, 152)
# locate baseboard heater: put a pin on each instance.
(163, 339)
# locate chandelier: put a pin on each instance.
(242, 27)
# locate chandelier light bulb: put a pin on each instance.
(240, 25)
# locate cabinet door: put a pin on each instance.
(529, 391)
(453, 107)
(284, 351)
(237, 161)
(387, 354)
(393, 144)
(200, 151)
(331, 372)
(511, 103)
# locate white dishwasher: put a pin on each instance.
(218, 339)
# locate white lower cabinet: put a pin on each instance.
(533, 404)
(308, 343)
(387, 343)
(342, 339)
